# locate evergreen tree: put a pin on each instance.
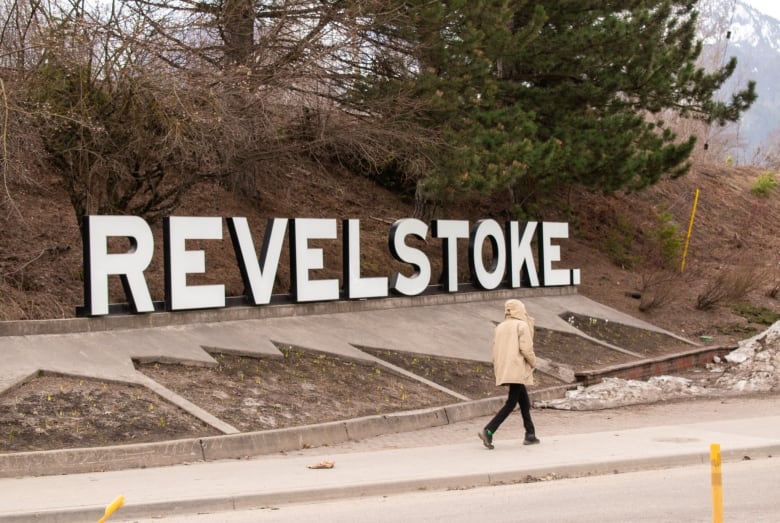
(537, 95)
(599, 74)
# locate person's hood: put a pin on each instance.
(515, 309)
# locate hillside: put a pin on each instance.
(734, 237)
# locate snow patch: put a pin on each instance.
(754, 366)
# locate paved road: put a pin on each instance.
(681, 494)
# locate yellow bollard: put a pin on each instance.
(690, 228)
(113, 507)
(717, 484)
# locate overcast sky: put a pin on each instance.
(770, 7)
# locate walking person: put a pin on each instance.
(513, 363)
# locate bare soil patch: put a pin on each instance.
(59, 412)
(575, 351)
(648, 344)
(300, 388)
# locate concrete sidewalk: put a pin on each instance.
(278, 479)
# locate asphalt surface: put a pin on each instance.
(399, 464)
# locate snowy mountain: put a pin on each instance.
(748, 26)
(733, 28)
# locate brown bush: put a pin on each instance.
(729, 286)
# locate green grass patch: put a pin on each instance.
(736, 329)
(760, 315)
(764, 184)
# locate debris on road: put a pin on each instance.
(325, 464)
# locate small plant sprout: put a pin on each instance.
(764, 184)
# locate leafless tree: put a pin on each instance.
(290, 73)
(133, 103)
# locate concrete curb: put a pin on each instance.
(244, 445)
(248, 444)
(236, 446)
(228, 503)
(100, 459)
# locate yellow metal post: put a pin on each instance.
(113, 507)
(690, 228)
(717, 484)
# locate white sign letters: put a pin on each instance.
(497, 256)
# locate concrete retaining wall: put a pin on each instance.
(655, 366)
(239, 313)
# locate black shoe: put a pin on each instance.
(530, 439)
(486, 438)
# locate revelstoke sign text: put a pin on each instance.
(511, 261)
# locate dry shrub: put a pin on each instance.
(774, 289)
(17, 304)
(729, 286)
(773, 277)
(661, 251)
(659, 288)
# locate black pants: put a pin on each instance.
(517, 394)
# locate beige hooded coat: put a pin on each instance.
(513, 346)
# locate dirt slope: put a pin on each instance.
(733, 240)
